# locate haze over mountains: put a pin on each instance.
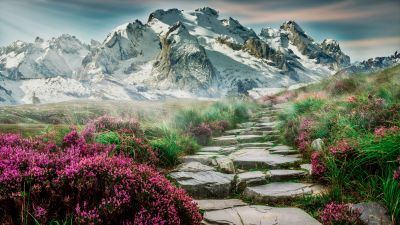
(175, 53)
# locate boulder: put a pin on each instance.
(317, 144)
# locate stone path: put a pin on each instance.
(250, 163)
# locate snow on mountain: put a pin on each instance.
(175, 53)
(372, 64)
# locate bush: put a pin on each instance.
(337, 213)
(126, 134)
(343, 86)
(169, 145)
(84, 182)
(110, 138)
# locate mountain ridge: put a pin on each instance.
(175, 53)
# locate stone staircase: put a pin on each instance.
(248, 163)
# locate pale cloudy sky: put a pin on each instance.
(365, 28)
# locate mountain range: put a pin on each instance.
(175, 53)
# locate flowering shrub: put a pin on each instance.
(382, 131)
(318, 167)
(125, 133)
(342, 148)
(303, 139)
(351, 99)
(85, 182)
(276, 99)
(337, 213)
(219, 126)
(108, 123)
(396, 174)
(202, 130)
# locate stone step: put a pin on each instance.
(257, 214)
(246, 124)
(306, 167)
(248, 158)
(250, 178)
(285, 152)
(224, 150)
(218, 204)
(235, 139)
(256, 144)
(201, 181)
(282, 174)
(281, 191)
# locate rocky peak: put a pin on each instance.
(209, 11)
(183, 62)
(166, 16)
(238, 29)
(39, 40)
(292, 26)
(269, 32)
(330, 45)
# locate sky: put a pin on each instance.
(364, 28)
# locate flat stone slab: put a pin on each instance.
(193, 167)
(226, 140)
(237, 131)
(228, 150)
(258, 215)
(224, 164)
(204, 184)
(218, 204)
(280, 147)
(278, 191)
(234, 139)
(210, 149)
(372, 213)
(306, 167)
(256, 144)
(259, 157)
(285, 152)
(250, 178)
(246, 124)
(203, 159)
(277, 175)
(208, 153)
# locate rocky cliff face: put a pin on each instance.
(60, 56)
(175, 53)
(372, 64)
(183, 62)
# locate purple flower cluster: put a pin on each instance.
(335, 213)
(341, 149)
(203, 129)
(303, 138)
(108, 123)
(317, 164)
(84, 181)
(382, 131)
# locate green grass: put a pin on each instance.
(169, 145)
(366, 174)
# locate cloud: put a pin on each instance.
(338, 11)
(362, 43)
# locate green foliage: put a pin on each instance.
(391, 196)
(308, 105)
(169, 145)
(187, 118)
(232, 112)
(342, 86)
(358, 107)
(60, 133)
(108, 138)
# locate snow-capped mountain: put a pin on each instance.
(371, 65)
(175, 53)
